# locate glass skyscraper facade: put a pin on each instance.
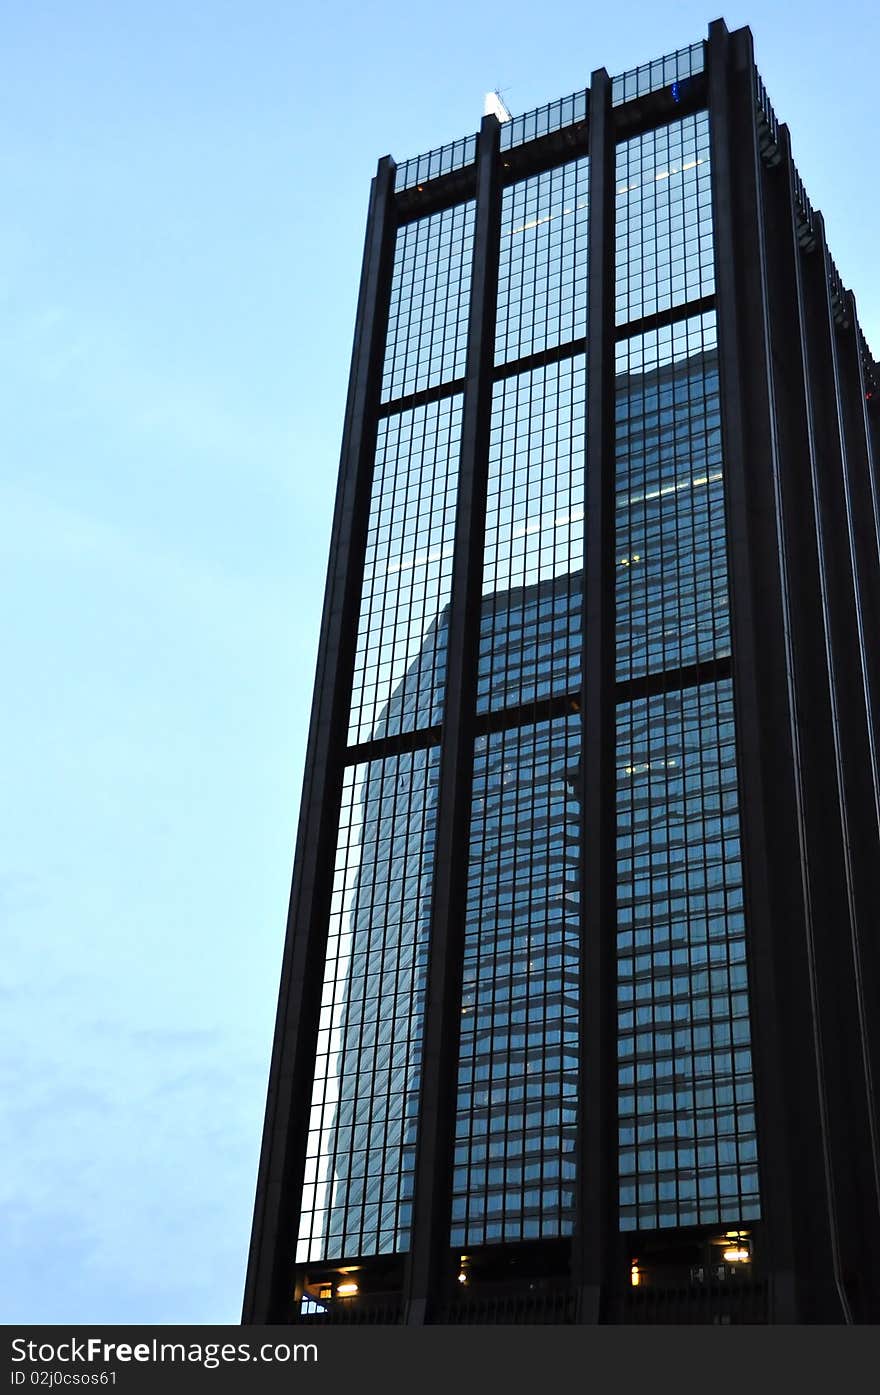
(549, 948)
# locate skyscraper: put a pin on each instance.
(579, 1007)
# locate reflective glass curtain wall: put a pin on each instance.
(687, 1134)
(581, 932)
(362, 1129)
(516, 1121)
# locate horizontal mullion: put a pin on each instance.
(419, 399)
(557, 353)
(527, 714)
(661, 318)
(398, 744)
(673, 680)
(544, 153)
(545, 709)
(540, 359)
(659, 108)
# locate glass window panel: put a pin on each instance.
(664, 254)
(400, 664)
(428, 310)
(670, 554)
(662, 72)
(542, 272)
(566, 111)
(516, 1120)
(534, 545)
(361, 1142)
(433, 163)
(681, 953)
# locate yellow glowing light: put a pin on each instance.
(737, 1256)
(650, 765)
(346, 1290)
(635, 1274)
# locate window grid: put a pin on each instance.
(688, 1150)
(428, 307)
(670, 551)
(566, 111)
(686, 1113)
(433, 163)
(664, 251)
(542, 273)
(533, 560)
(400, 663)
(362, 1130)
(662, 72)
(518, 1063)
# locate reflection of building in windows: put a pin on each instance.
(577, 1014)
(521, 938)
(371, 1140)
(516, 1130)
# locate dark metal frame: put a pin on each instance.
(428, 1266)
(597, 1132)
(762, 680)
(269, 1291)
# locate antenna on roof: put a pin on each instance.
(494, 105)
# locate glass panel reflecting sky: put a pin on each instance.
(530, 125)
(542, 276)
(408, 572)
(661, 72)
(428, 314)
(433, 163)
(534, 533)
(664, 218)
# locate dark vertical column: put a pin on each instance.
(762, 681)
(428, 1264)
(821, 818)
(873, 408)
(597, 1132)
(843, 1008)
(864, 497)
(865, 523)
(269, 1285)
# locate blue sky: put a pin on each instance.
(185, 189)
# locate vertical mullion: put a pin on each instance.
(823, 824)
(597, 1066)
(269, 1285)
(772, 856)
(863, 511)
(873, 417)
(853, 1119)
(846, 1116)
(432, 1201)
(865, 508)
